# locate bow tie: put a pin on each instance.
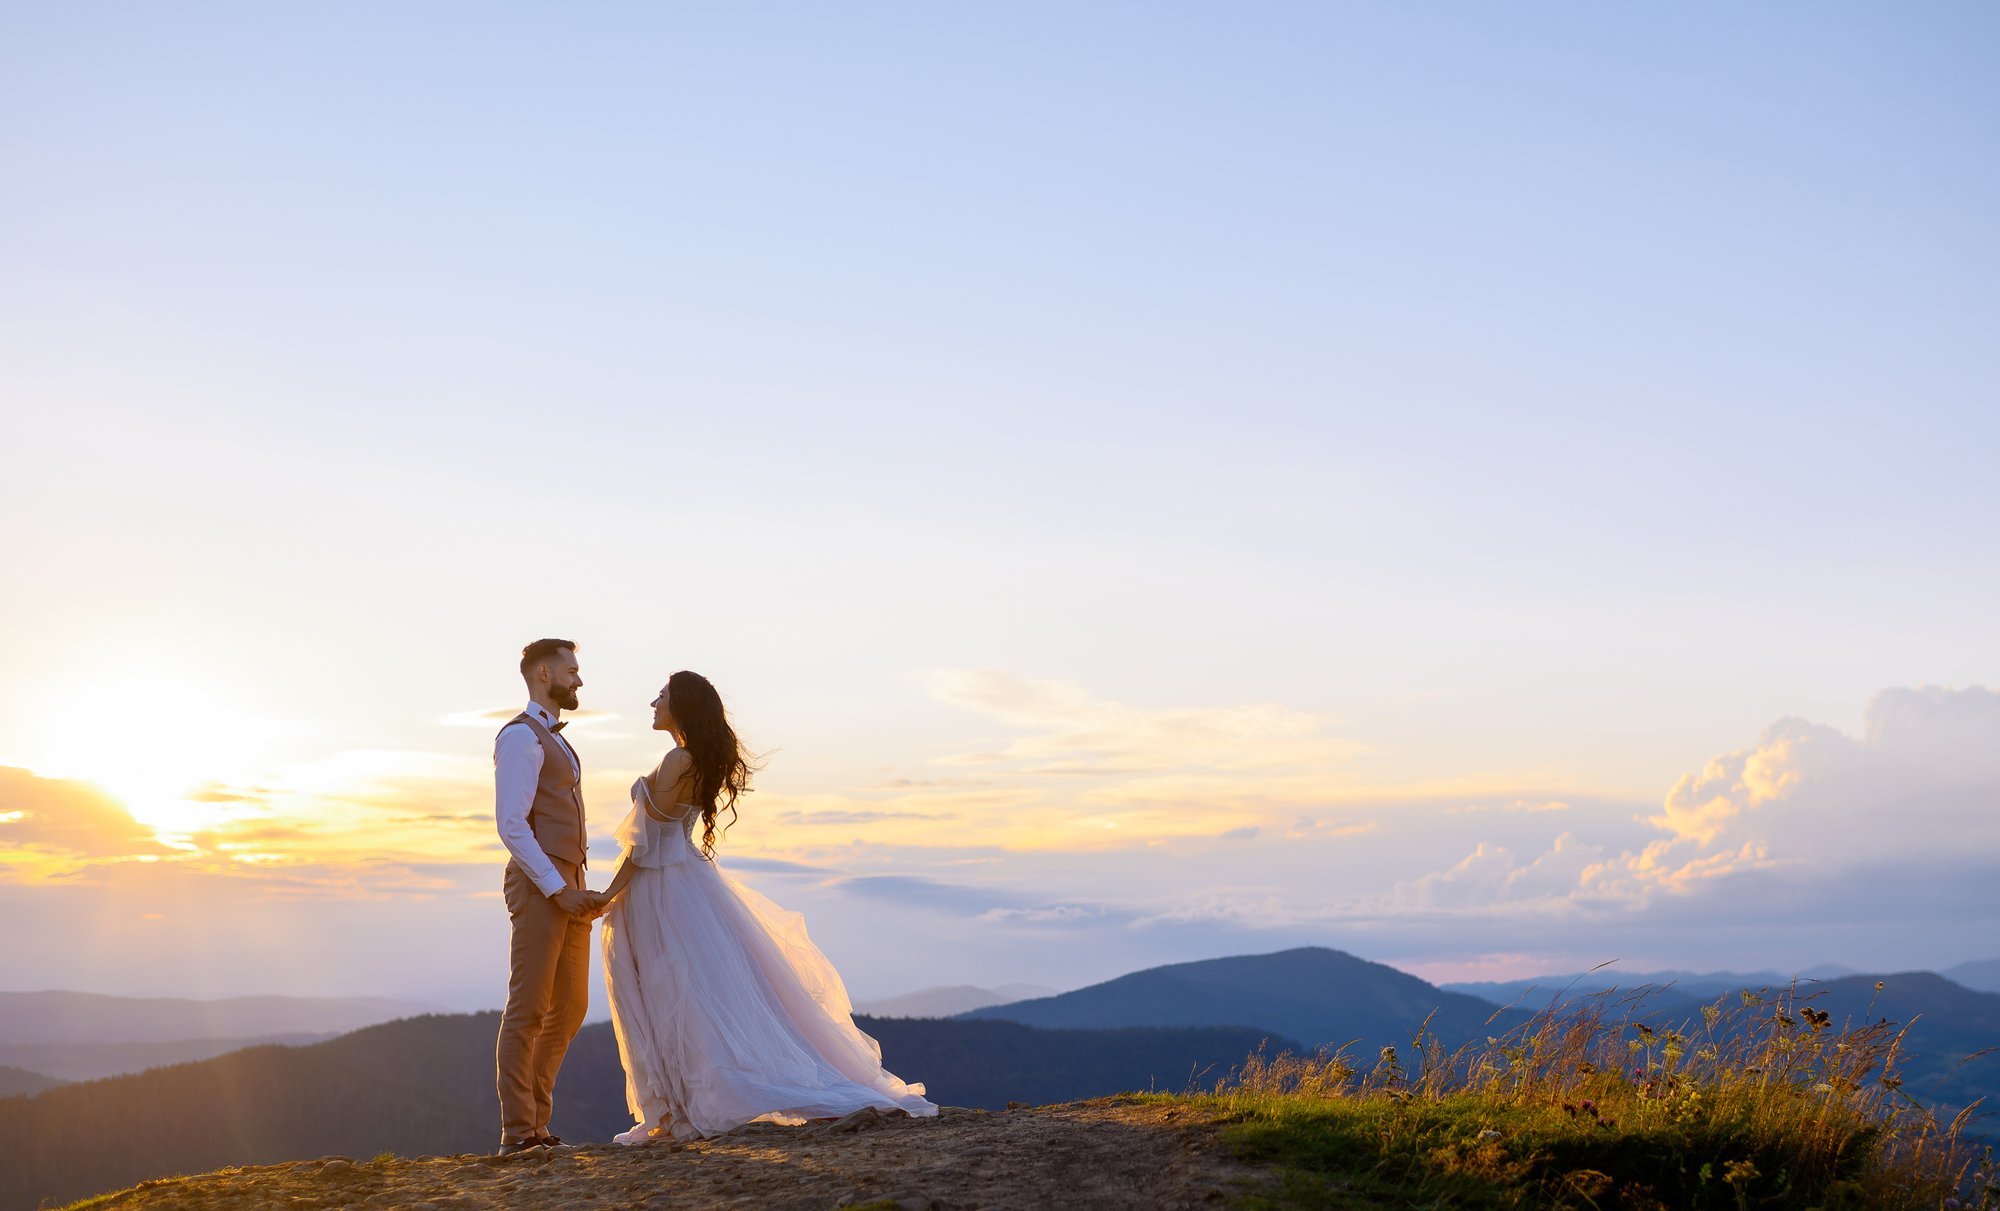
(556, 727)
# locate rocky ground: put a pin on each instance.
(1107, 1153)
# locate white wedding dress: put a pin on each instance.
(725, 1011)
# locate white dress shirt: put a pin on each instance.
(517, 766)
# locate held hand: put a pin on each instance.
(574, 900)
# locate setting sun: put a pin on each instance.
(156, 744)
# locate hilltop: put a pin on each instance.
(1115, 1152)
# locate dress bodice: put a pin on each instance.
(653, 842)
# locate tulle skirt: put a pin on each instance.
(726, 1012)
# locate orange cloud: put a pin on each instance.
(47, 823)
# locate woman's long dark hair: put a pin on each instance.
(721, 768)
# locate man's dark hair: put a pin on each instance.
(540, 650)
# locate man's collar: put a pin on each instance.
(540, 712)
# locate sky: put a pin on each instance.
(1492, 489)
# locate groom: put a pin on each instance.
(538, 805)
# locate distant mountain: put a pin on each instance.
(1983, 976)
(1949, 1025)
(88, 1017)
(1313, 994)
(1537, 992)
(91, 1061)
(424, 1085)
(950, 1000)
(17, 1081)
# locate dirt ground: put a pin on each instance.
(1104, 1153)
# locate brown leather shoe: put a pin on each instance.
(518, 1146)
(548, 1141)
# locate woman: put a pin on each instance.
(724, 1009)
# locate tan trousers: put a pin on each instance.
(548, 990)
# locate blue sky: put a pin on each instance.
(1209, 418)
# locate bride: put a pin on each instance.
(725, 1011)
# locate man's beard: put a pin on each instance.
(564, 697)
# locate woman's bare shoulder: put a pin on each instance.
(673, 767)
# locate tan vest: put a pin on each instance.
(556, 816)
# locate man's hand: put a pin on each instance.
(574, 900)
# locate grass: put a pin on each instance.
(1762, 1103)
(99, 1200)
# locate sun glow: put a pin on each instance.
(155, 745)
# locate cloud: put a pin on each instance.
(47, 820)
(1314, 826)
(1923, 775)
(932, 894)
(1075, 732)
(1054, 914)
(312, 824)
(1493, 875)
(1084, 771)
(216, 792)
(1810, 827)
(836, 816)
(1518, 805)
(1244, 912)
(773, 866)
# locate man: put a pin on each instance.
(538, 806)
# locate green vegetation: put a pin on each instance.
(1759, 1103)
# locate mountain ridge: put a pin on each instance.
(949, 1000)
(25, 1082)
(93, 1017)
(1314, 994)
